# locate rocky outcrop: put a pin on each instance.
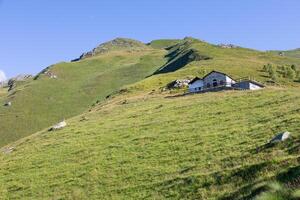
(228, 46)
(47, 72)
(12, 83)
(114, 45)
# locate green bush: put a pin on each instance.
(279, 192)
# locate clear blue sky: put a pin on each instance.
(37, 33)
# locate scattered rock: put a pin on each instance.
(84, 118)
(281, 137)
(12, 83)
(8, 150)
(8, 104)
(58, 126)
(124, 102)
(281, 54)
(228, 46)
(50, 74)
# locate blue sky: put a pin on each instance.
(38, 33)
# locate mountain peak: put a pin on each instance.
(115, 45)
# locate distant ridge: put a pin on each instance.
(114, 45)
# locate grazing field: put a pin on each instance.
(45, 101)
(206, 146)
(291, 53)
(129, 138)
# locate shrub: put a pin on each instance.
(290, 73)
(277, 191)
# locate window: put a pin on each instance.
(215, 83)
(208, 85)
(222, 82)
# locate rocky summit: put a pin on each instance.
(115, 45)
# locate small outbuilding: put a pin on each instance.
(248, 85)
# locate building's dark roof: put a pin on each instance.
(194, 80)
(218, 73)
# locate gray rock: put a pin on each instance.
(8, 104)
(58, 126)
(228, 46)
(12, 83)
(8, 150)
(281, 137)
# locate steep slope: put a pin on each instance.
(237, 62)
(67, 89)
(208, 146)
(115, 45)
(143, 143)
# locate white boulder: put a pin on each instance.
(8, 104)
(59, 126)
(281, 137)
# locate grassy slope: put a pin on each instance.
(152, 147)
(237, 62)
(291, 53)
(3, 92)
(143, 145)
(38, 104)
(160, 44)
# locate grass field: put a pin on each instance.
(145, 143)
(43, 102)
(206, 146)
(291, 53)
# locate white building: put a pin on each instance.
(219, 80)
(196, 85)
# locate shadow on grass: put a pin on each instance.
(247, 174)
(180, 188)
(290, 177)
(246, 193)
(181, 60)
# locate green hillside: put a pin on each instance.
(42, 102)
(147, 143)
(207, 146)
(290, 53)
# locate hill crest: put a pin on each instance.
(114, 45)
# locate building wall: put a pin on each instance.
(221, 79)
(254, 87)
(196, 86)
(246, 85)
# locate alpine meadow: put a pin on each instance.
(129, 135)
